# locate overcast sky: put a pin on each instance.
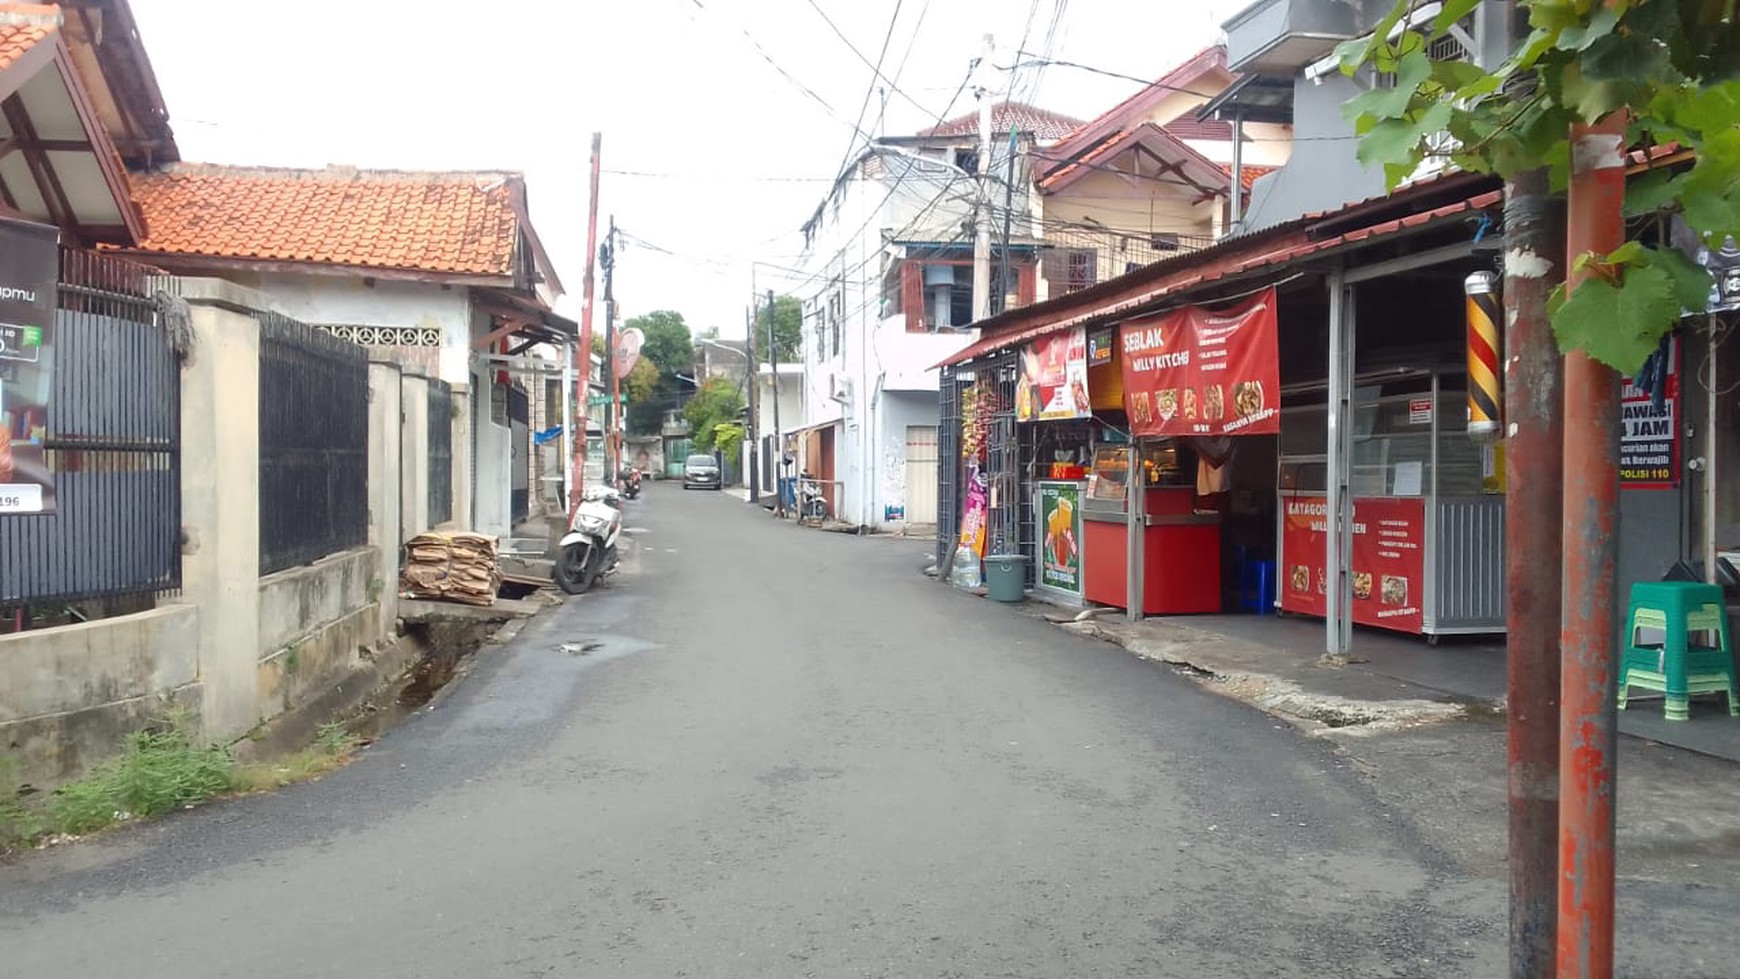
(710, 152)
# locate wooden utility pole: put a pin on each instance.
(583, 353)
(982, 210)
(1587, 722)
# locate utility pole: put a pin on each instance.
(754, 406)
(612, 413)
(1534, 474)
(583, 352)
(982, 212)
(1008, 218)
(778, 436)
(1587, 723)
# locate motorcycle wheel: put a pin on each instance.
(572, 572)
(816, 509)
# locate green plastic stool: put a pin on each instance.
(1677, 668)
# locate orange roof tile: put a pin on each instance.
(451, 223)
(19, 37)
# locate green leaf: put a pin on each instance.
(1691, 281)
(1708, 110)
(1581, 36)
(1454, 10)
(1712, 212)
(1590, 98)
(1624, 56)
(1388, 103)
(1392, 142)
(1649, 192)
(1619, 325)
(1625, 254)
(1458, 75)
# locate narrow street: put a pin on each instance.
(788, 754)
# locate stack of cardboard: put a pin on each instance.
(451, 567)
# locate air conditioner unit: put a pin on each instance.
(839, 388)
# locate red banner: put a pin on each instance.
(1196, 371)
(1389, 551)
(1649, 437)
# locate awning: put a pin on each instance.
(1264, 252)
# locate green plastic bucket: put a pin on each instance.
(1006, 577)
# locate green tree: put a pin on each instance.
(641, 383)
(718, 403)
(1672, 65)
(788, 329)
(669, 344)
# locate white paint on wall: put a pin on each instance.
(323, 299)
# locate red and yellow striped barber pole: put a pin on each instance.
(1484, 394)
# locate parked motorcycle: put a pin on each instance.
(813, 505)
(588, 551)
(629, 482)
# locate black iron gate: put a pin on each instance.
(519, 410)
(314, 444)
(113, 444)
(440, 489)
(948, 469)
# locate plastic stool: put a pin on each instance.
(1676, 667)
(1257, 587)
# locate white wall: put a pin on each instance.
(491, 502)
(323, 299)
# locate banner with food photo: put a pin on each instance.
(1388, 560)
(1197, 371)
(29, 267)
(1053, 382)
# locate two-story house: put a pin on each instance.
(889, 292)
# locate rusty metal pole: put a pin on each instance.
(1534, 486)
(1587, 731)
(583, 352)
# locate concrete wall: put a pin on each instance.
(234, 649)
(70, 696)
(414, 456)
(344, 300)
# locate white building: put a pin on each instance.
(439, 272)
(888, 294)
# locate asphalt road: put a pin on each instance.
(789, 754)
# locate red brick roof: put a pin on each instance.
(17, 38)
(447, 223)
(1249, 172)
(1007, 116)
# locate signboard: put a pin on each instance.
(628, 344)
(29, 267)
(975, 512)
(595, 400)
(1060, 540)
(1195, 371)
(1053, 381)
(1389, 560)
(1099, 352)
(1649, 437)
(1419, 411)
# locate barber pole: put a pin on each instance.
(1484, 394)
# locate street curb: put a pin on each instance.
(1319, 714)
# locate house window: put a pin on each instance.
(836, 312)
(967, 160)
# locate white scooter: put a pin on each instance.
(588, 551)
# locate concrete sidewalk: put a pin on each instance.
(1390, 680)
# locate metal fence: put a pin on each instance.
(948, 468)
(113, 443)
(440, 452)
(314, 441)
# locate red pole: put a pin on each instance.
(1587, 729)
(1534, 486)
(583, 353)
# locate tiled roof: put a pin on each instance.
(1249, 172)
(17, 37)
(1007, 116)
(464, 223)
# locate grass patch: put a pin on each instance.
(19, 824)
(334, 745)
(161, 770)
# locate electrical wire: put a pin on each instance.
(706, 177)
(875, 74)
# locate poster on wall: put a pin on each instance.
(1389, 549)
(975, 512)
(1649, 437)
(1053, 381)
(1196, 371)
(29, 267)
(1060, 546)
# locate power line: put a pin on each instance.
(875, 69)
(875, 73)
(704, 177)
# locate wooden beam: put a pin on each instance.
(488, 339)
(47, 184)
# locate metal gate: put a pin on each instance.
(440, 490)
(921, 474)
(113, 442)
(948, 468)
(519, 411)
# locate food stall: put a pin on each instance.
(1179, 548)
(1428, 506)
(1052, 398)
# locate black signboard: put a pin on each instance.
(29, 267)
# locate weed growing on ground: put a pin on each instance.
(333, 746)
(160, 771)
(334, 738)
(19, 824)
